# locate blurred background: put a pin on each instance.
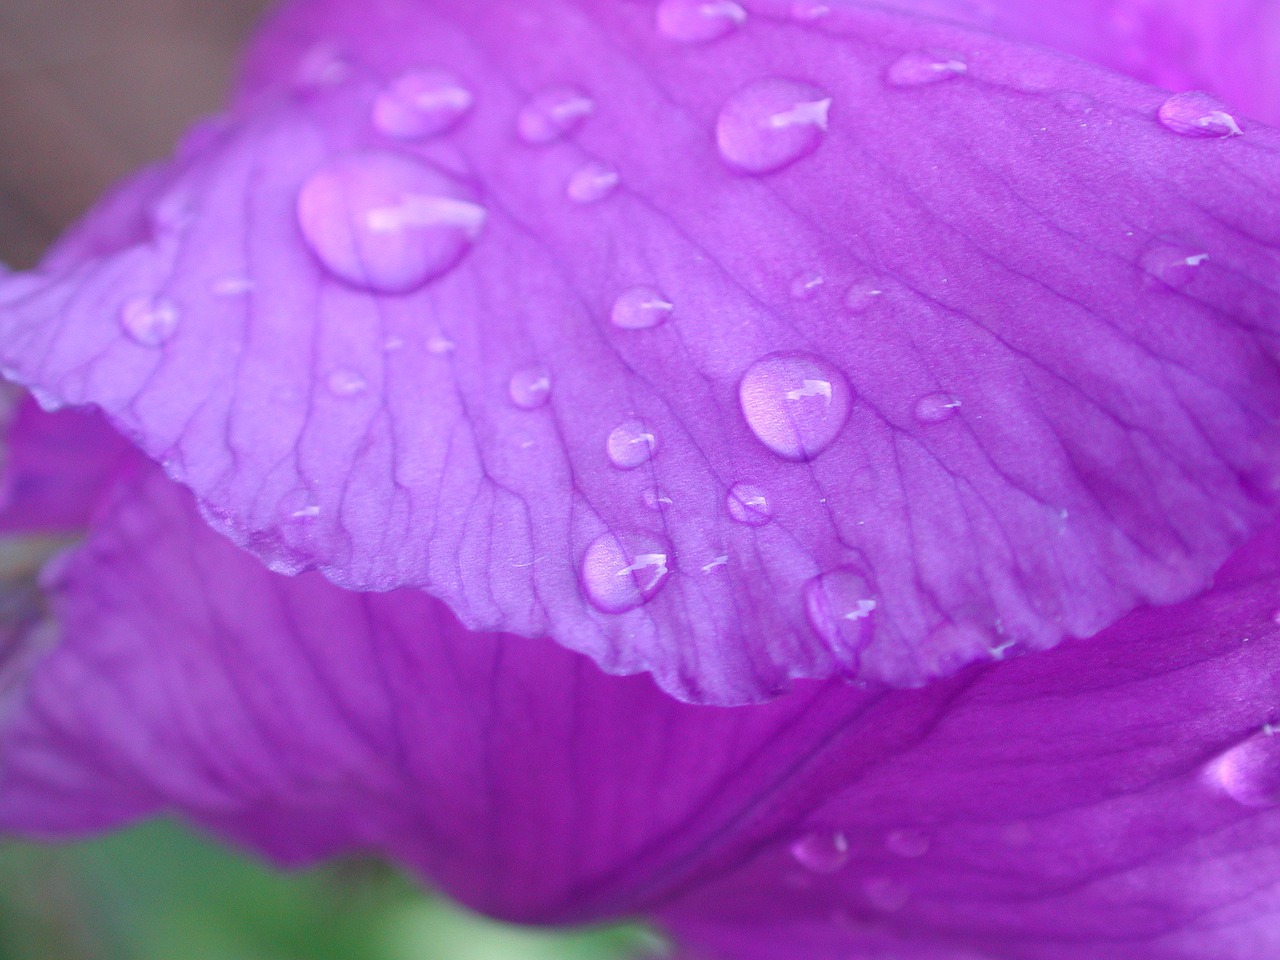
(89, 91)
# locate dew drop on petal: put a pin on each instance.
(345, 382)
(936, 407)
(699, 21)
(919, 69)
(630, 445)
(841, 608)
(907, 843)
(770, 124)
(641, 308)
(530, 388)
(385, 222)
(1249, 773)
(592, 183)
(796, 404)
(622, 572)
(807, 285)
(1173, 266)
(553, 114)
(861, 297)
(655, 498)
(1197, 114)
(149, 321)
(749, 504)
(822, 851)
(421, 103)
(232, 286)
(808, 11)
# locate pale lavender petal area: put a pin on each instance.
(987, 336)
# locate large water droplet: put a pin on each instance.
(936, 407)
(907, 843)
(1172, 266)
(421, 103)
(592, 183)
(841, 608)
(796, 404)
(386, 222)
(530, 388)
(749, 504)
(862, 296)
(619, 573)
(553, 114)
(822, 851)
(149, 321)
(631, 444)
(1249, 772)
(770, 124)
(699, 21)
(345, 382)
(1197, 114)
(919, 69)
(641, 308)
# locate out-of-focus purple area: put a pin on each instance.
(91, 89)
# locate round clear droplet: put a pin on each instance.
(822, 851)
(699, 21)
(1197, 114)
(1249, 772)
(631, 444)
(420, 104)
(1173, 266)
(936, 407)
(149, 321)
(841, 607)
(749, 504)
(553, 114)
(770, 124)
(641, 308)
(807, 285)
(796, 404)
(862, 296)
(622, 572)
(530, 388)
(918, 69)
(592, 183)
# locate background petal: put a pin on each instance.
(994, 349)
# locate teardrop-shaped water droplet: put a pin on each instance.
(655, 498)
(530, 388)
(420, 104)
(822, 851)
(795, 403)
(919, 69)
(770, 124)
(1172, 266)
(907, 843)
(592, 183)
(936, 407)
(386, 222)
(1197, 114)
(553, 114)
(749, 504)
(149, 321)
(841, 608)
(699, 21)
(641, 308)
(807, 285)
(1249, 772)
(345, 382)
(631, 444)
(621, 572)
(862, 296)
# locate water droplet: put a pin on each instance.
(655, 498)
(309, 512)
(861, 297)
(1172, 266)
(1249, 773)
(345, 382)
(749, 504)
(420, 104)
(936, 407)
(631, 444)
(841, 608)
(149, 321)
(796, 404)
(1197, 114)
(641, 308)
(321, 66)
(885, 895)
(440, 345)
(907, 843)
(530, 388)
(386, 222)
(699, 21)
(825, 851)
(770, 124)
(553, 114)
(619, 573)
(806, 285)
(592, 183)
(232, 286)
(807, 11)
(920, 69)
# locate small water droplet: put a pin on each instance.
(386, 222)
(592, 183)
(919, 69)
(808, 11)
(907, 843)
(1249, 773)
(553, 114)
(655, 498)
(641, 308)
(715, 563)
(807, 285)
(440, 345)
(345, 382)
(841, 608)
(936, 407)
(421, 103)
(631, 444)
(1172, 266)
(770, 124)
(232, 286)
(149, 321)
(749, 504)
(1197, 114)
(796, 404)
(862, 296)
(885, 895)
(620, 573)
(822, 851)
(530, 388)
(309, 512)
(699, 21)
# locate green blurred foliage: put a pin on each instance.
(161, 892)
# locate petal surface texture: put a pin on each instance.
(530, 304)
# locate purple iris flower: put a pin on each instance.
(763, 466)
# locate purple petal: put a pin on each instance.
(993, 342)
